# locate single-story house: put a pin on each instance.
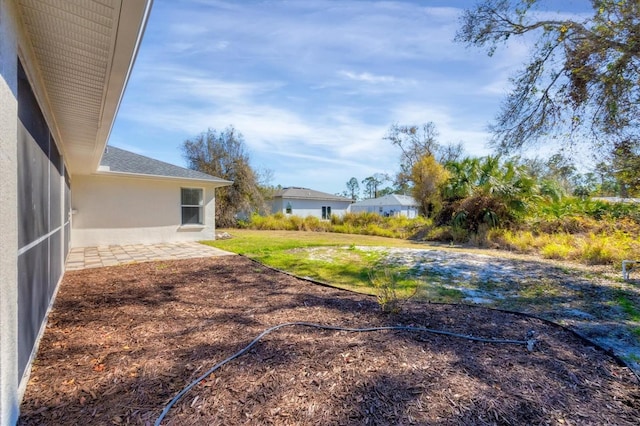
(64, 66)
(617, 200)
(132, 199)
(388, 205)
(305, 202)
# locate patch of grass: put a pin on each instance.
(541, 289)
(433, 291)
(628, 306)
(328, 257)
(449, 295)
(346, 268)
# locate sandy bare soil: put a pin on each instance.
(583, 298)
(123, 341)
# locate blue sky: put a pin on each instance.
(313, 85)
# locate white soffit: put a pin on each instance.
(84, 51)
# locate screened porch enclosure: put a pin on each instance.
(43, 222)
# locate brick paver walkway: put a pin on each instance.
(96, 257)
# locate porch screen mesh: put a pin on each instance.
(41, 235)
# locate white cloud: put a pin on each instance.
(367, 77)
(312, 85)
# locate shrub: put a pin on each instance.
(362, 219)
(481, 238)
(600, 250)
(521, 241)
(374, 229)
(386, 286)
(568, 224)
(472, 212)
(439, 233)
(296, 223)
(343, 229)
(459, 234)
(556, 251)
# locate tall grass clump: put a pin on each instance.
(268, 223)
(605, 249)
(364, 223)
(387, 286)
(556, 250)
(520, 241)
(361, 220)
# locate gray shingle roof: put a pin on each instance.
(118, 160)
(308, 194)
(388, 200)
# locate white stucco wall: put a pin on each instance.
(387, 210)
(109, 210)
(9, 398)
(304, 208)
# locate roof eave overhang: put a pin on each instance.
(82, 54)
(131, 25)
(215, 183)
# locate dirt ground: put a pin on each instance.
(122, 341)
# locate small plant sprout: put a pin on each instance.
(386, 284)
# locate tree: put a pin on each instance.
(626, 168)
(353, 188)
(414, 142)
(463, 178)
(372, 183)
(428, 178)
(608, 186)
(223, 154)
(582, 76)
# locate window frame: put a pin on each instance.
(200, 207)
(326, 213)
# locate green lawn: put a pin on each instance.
(306, 254)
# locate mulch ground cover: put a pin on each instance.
(122, 341)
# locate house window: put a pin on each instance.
(192, 208)
(289, 209)
(326, 212)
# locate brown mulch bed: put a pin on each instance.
(122, 341)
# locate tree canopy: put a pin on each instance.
(353, 188)
(224, 155)
(416, 142)
(582, 78)
(428, 177)
(372, 183)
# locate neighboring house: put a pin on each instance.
(305, 202)
(617, 200)
(136, 199)
(64, 66)
(389, 205)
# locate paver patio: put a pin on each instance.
(97, 257)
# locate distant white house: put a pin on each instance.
(305, 202)
(389, 205)
(617, 200)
